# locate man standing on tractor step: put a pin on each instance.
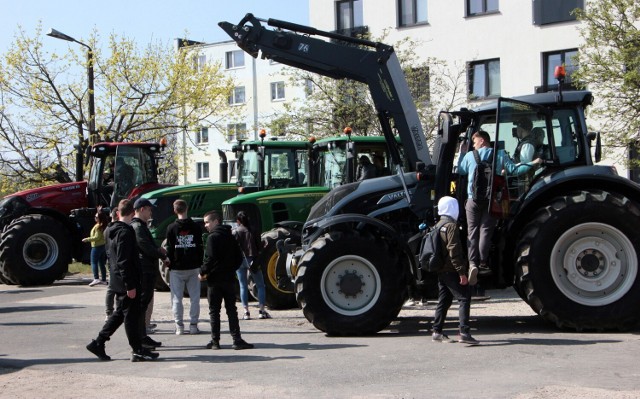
(125, 282)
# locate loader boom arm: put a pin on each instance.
(371, 63)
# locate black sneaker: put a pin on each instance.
(98, 350)
(241, 344)
(468, 339)
(213, 344)
(150, 343)
(143, 355)
(484, 270)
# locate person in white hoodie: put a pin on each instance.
(452, 278)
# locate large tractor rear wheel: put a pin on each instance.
(162, 279)
(35, 250)
(350, 283)
(577, 261)
(279, 295)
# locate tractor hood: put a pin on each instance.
(62, 197)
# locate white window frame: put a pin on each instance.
(202, 170)
(236, 131)
(277, 91)
(238, 96)
(202, 136)
(230, 61)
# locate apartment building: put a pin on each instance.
(503, 48)
(499, 48)
(260, 91)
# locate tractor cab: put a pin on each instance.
(271, 164)
(122, 170)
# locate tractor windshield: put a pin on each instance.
(281, 167)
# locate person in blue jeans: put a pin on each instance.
(250, 245)
(98, 252)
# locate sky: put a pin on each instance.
(144, 21)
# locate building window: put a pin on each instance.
(199, 62)
(308, 87)
(202, 171)
(234, 59)
(237, 96)
(236, 131)
(277, 91)
(551, 60)
(484, 79)
(412, 12)
(202, 135)
(348, 14)
(553, 11)
(477, 7)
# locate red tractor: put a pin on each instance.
(41, 229)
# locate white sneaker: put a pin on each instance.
(94, 282)
(179, 330)
(193, 329)
(473, 275)
(440, 337)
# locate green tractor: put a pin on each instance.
(262, 165)
(280, 212)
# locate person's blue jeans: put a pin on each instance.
(242, 274)
(178, 280)
(98, 262)
(448, 288)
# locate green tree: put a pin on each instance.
(140, 94)
(609, 63)
(330, 105)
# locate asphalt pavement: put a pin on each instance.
(44, 330)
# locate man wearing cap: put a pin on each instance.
(148, 254)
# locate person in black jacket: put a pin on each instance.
(125, 282)
(184, 250)
(148, 253)
(221, 259)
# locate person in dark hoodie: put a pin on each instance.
(184, 250)
(452, 279)
(125, 282)
(221, 259)
(148, 254)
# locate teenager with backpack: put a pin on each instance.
(480, 223)
(478, 166)
(452, 277)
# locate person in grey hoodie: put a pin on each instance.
(184, 250)
(452, 278)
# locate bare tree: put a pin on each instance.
(140, 94)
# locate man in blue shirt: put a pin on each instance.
(480, 223)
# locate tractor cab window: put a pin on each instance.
(283, 167)
(332, 164)
(133, 167)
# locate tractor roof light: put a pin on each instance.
(560, 73)
(163, 143)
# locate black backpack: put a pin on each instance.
(431, 255)
(481, 183)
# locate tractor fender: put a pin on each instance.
(578, 178)
(349, 221)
